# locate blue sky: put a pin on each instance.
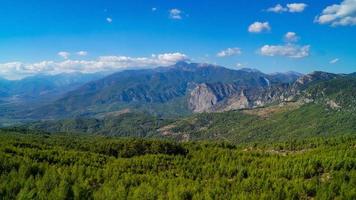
(127, 33)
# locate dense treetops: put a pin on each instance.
(81, 167)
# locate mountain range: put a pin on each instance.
(167, 91)
(186, 101)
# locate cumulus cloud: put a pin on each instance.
(175, 14)
(229, 52)
(288, 50)
(333, 61)
(109, 19)
(292, 8)
(258, 27)
(296, 7)
(17, 70)
(64, 54)
(277, 9)
(291, 37)
(343, 14)
(82, 53)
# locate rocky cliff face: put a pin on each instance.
(202, 99)
(223, 97)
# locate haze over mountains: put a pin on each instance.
(34, 91)
(42, 85)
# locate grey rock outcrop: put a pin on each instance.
(224, 97)
(202, 99)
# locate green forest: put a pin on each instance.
(273, 123)
(36, 165)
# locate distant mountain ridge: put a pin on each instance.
(186, 88)
(155, 90)
(38, 85)
(191, 101)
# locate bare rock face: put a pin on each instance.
(202, 99)
(237, 102)
(217, 97)
(224, 97)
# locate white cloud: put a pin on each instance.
(109, 20)
(17, 70)
(82, 53)
(291, 37)
(258, 27)
(277, 9)
(175, 13)
(169, 58)
(292, 8)
(64, 54)
(343, 14)
(296, 7)
(229, 52)
(333, 61)
(291, 51)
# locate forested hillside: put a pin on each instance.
(271, 123)
(126, 124)
(78, 167)
(274, 123)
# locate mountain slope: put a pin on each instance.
(337, 92)
(274, 123)
(242, 126)
(153, 90)
(126, 124)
